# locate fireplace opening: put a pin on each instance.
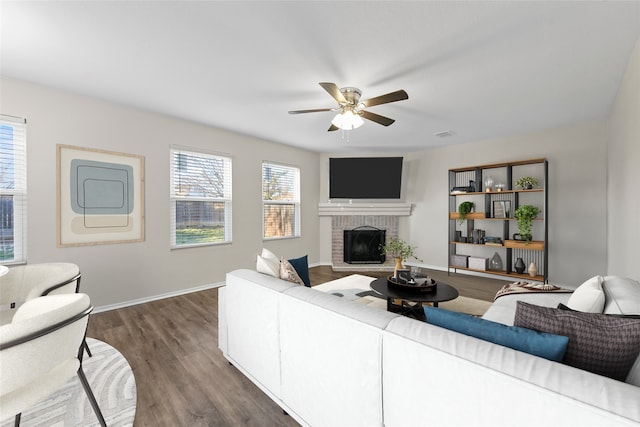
(362, 245)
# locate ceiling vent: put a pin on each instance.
(444, 134)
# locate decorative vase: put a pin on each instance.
(397, 267)
(496, 262)
(488, 184)
(533, 269)
(519, 266)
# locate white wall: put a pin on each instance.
(576, 190)
(624, 166)
(119, 273)
(577, 196)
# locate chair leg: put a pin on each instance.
(86, 347)
(17, 422)
(92, 398)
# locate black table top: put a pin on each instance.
(443, 292)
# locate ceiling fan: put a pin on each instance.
(351, 110)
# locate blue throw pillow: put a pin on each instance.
(549, 346)
(301, 266)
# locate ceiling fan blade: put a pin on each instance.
(332, 128)
(317, 110)
(334, 91)
(384, 121)
(398, 95)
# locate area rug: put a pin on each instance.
(113, 384)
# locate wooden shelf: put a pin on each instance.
(533, 245)
(514, 275)
(470, 215)
(482, 193)
(477, 244)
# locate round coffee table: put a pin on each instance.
(443, 293)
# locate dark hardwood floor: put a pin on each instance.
(181, 376)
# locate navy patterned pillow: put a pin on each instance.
(598, 343)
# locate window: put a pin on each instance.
(200, 198)
(280, 201)
(13, 189)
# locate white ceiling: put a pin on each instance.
(480, 69)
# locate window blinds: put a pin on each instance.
(280, 200)
(200, 193)
(13, 189)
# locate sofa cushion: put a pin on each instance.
(588, 297)
(540, 344)
(302, 268)
(288, 273)
(601, 344)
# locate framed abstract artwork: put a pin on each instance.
(100, 197)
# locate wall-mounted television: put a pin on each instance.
(365, 177)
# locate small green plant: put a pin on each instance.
(463, 209)
(525, 215)
(398, 248)
(527, 182)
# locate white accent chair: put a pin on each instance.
(41, 349)
(24, 282)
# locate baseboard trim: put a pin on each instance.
(156, 297)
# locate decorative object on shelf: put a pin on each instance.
(501, 208)
(525, 214)
(492, 241)
(500, 187)
(472, 186)
(488, 184)
(460, 190)
(533, 269)
(496, 262)
(478, 236)
(527, 182)
(463, 209)
(400, 251)
(519, 266)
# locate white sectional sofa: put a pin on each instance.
(328, 361)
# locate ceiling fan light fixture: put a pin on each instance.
(347, 120)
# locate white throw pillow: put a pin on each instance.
(266, 253)
(589, 297)
(268, 263)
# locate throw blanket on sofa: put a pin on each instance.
(526, 287)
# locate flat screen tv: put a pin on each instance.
(365, 177)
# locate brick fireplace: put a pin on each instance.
(384, 216)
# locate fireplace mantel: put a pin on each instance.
(389, 209)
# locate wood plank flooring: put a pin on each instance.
(181, 376)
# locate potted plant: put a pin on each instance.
(525, 214)
(527, 182)
(463, 209)
(399, 250)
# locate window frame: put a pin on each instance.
(19, 192)
(295, 201)
(226, 199)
